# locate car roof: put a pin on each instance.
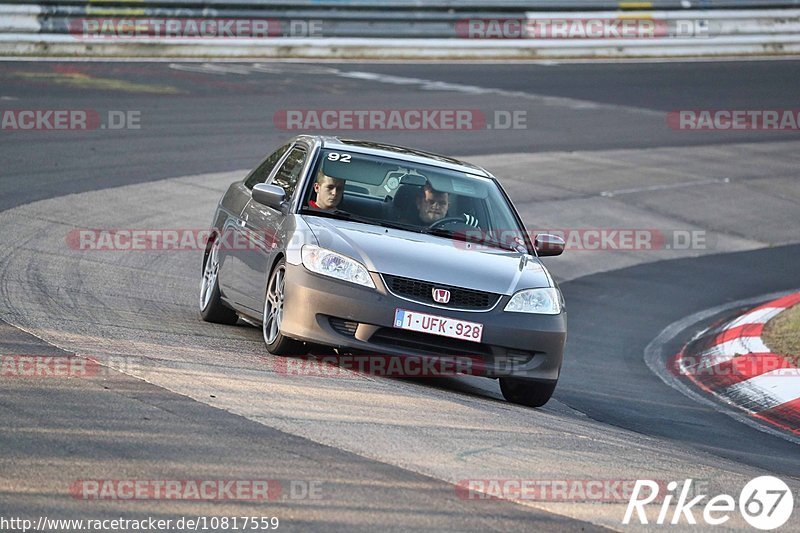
(408, 154)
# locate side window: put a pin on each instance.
(261, 174)
(289, 172)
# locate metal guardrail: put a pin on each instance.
(425, 6)
(400, 28)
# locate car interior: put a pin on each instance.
(384, 190)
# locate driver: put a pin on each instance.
(432, 205)
(329, 192)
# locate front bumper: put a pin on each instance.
(326, 311)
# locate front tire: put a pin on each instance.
(277, 343)
(531, 393)
(211, 307)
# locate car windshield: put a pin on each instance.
(412, 196)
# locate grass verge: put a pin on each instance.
(782, 334)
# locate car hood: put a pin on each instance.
(430, 258)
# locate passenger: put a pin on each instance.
(329, 191)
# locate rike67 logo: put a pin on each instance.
(765, 503)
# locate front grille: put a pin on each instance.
(426, 343)
(422, 292)
(343, 327)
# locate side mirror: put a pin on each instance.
(547, 244)
(269, 195)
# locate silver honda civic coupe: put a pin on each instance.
(369, 248)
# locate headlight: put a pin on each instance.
(329, 263)
(545, 301)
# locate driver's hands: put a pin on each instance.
(470, 220)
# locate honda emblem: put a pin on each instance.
(441, 296)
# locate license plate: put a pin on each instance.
(438, 325)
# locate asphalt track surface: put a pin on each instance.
(197, 122)
(608, 407)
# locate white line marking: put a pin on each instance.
(573, 103)
(664, 187)
(759, 316)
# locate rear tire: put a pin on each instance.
(532, 393)
(211, 307)
(277, 343)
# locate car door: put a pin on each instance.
(233, 251)
(263, 229)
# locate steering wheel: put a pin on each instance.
(446, 220)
